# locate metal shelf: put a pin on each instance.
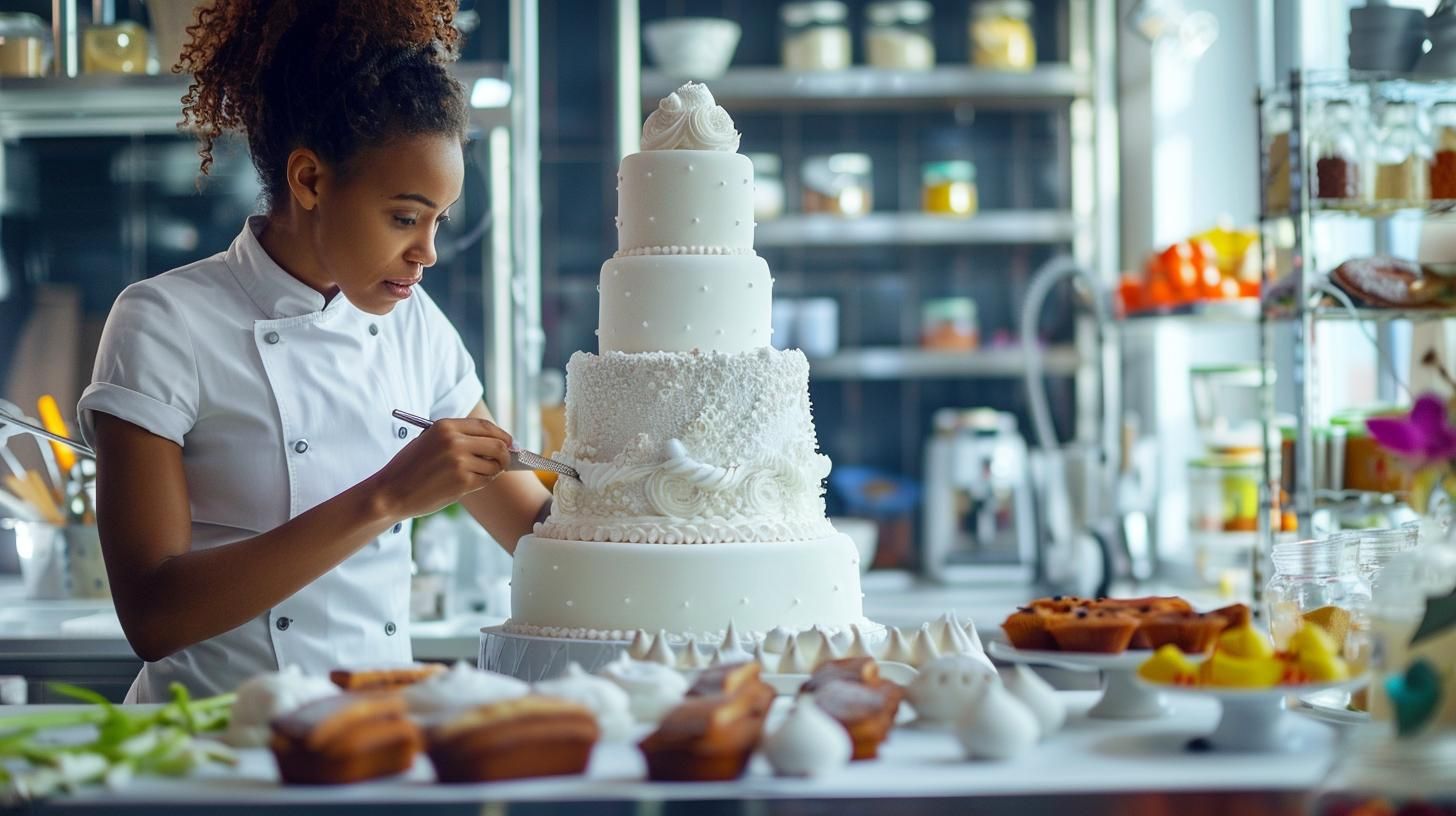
(1005, 227)
(1336, 312)
(1242, 310)
(1441, 207)
(922, 364)
(865, 87)
(130, 104)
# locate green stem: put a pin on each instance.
(91, 715)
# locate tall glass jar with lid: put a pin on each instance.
(1278, 119)
(1442, 177)
(897, 35)
(1001, 36)
(815, 35)
(1318, 581)
(1337, 150)
(1400, 156)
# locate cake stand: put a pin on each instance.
(541, 658)
(1123, 697)
(1255, 720)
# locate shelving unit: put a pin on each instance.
(917, 364)
(918, 229)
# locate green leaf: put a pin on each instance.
(1440, 616)
(85, 695)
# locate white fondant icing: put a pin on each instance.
(689, 119)
(808, 743)
(652, 205)
(670, 289)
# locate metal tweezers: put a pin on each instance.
(520, 458)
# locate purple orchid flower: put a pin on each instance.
(1425, 436)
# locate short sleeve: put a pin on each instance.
(456, 384)
(146, 369)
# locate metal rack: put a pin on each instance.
(1308, 307)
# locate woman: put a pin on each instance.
(254, 492)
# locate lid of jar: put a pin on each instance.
(766, 164)
(20, 23)
(950, 309)
(909, 12)
(814, 11)
(951, 170)
(832, 174)
(1015, 9)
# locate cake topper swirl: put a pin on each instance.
(689, 119)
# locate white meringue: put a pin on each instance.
(690, 657)
(460, 687)
(260, 699)
(923, 648)
(731, 641)
(652, 688)
(857, 645)
(661, 651)
(1038, 696)
(947, 685)
(897, 648)
(791, 662)
(611, 705)
(996, 726)
(777, 639)
(641, 645)
(828, 650)
(809, 742)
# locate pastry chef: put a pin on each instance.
(254, 492)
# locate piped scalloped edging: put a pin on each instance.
(683, 250)
(706, 531)
(748, 638)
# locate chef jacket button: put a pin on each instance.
(398, 526)
(403, 432)
(271, 338)
(373, 329)
(301, 446)
(282, 624)
(390, 629)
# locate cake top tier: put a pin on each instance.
(689, 119)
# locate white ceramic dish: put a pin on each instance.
(1123, 698)
(692, 47)
(1253, 720)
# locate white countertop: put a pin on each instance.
(1088, 757)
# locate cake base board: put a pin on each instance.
(530, 658)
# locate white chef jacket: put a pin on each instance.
(279, 402)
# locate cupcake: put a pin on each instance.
(1192, 633)
(1093, 630)
(1026, 628)
(1236, 614)
(1060, 604)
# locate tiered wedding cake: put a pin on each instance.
(701, 494)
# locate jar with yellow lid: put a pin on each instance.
(948, 187)
(1000, 35)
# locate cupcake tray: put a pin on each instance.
(1123, 696)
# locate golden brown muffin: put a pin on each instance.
(704, 739)
(1191, 633)
(1026, 628)
(387, 679)
(345, 738)
(862, 670)
(514, 739)
(735, 679)
(1102, 631)
(866, 712)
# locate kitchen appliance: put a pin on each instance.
(980, 523)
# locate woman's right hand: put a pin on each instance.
(450, 459)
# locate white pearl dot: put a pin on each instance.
(626, 294)
(797, 602)
(616, 272)
(555, 567)
(599, 288)
(703, 288)
(648, 174)
(597, 332)
(686, 604)
(722, 184)
(836, 587)
(697, 220)
(737, 222)
(750, 284)
(720, 332)
(687, 327)
(644, 324)
(652, 219)
(691, 168)
(743, 601)
(571, 603)
(627, 601)
(771, 331)
(745, 181)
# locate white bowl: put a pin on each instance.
(692, 47)
(864, 533)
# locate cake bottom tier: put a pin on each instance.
(597, 589)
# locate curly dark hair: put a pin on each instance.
(334, 76)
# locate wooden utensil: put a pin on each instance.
(34, 491)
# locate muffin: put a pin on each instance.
(1236, 615)
(1060, 604)
(1026, 628)
(1102, 631)
(1192, 633)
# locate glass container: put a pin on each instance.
(1000, 35)
(815, 35)
(839, 184)
(768, 189)
(948, 187)
(897, 35)
(24, 45)
(1399, 156)
(1338, 155)
(115, 49)
(1276, 182)
(1443, 152)
(949, 324)
(1223, 493)
(1317, 581)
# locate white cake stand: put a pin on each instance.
(1123, 697)
(1255, 720)
(542, 658)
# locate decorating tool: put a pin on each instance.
(520, 459)
(50, 416)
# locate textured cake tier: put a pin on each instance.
(689, 448)
(685, 199)
(685, 302)
(561, 586)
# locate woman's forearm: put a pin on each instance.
(200, 594)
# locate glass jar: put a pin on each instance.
(1443, 152)
(1000, 35)
(1379, 547)
(949, 324)
(768, 189)
(122, 48)
(815, 35)
(1376, 775)
(24, 45)
(1223, 493)
(1317, 582)
(1338, 160)
(1399, 156)
(1276, 179)
(839, 184)
(948, 187)
(897, 35)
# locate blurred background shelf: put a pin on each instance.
(865, 87)
(918, 229)
(923, 364)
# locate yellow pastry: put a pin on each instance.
(1332, 619)
(1314, 642)
(1245, 641)
(1170, 666)
(1241, 672)
(1323, 668)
